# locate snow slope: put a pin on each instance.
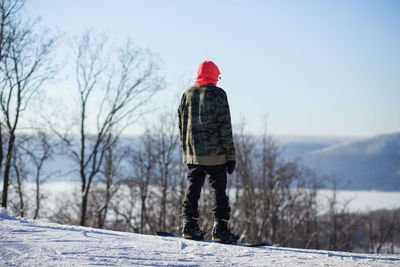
(34, 243)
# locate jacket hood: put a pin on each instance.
(207, 73)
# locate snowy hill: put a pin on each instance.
(293, 147)
(368, 164)
(34, 243)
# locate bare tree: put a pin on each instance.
(112, 175)
(308, 233)
(165, 137)
(339, 226)
(20, 174)
(38, 150)
(113, 86)
(143, 167)
(271, 198)
(8, 10)
(154, 163)
(31, 153)
(245, 176)
(381, 229)
(154, 172)
(24, 67)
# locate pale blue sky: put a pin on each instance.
(315, 67)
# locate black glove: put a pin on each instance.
(230, 166)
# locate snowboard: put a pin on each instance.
(261, 244)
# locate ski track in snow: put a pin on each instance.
(34, 243)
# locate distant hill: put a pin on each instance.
(367, 164)
(293, 147)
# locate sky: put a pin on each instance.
(314, 68)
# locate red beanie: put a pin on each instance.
(207, 73)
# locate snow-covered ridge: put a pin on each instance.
(367, 164)
(369, 146)
(33, 243)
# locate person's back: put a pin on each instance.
(205, 126)
(207, 146)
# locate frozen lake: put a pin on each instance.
(357, 201)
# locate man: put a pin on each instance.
(205, 132)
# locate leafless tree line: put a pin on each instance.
(24, 67)
(141, 184)
(138, 184)
(113, 85)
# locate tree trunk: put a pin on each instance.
(85, 195)
(20, 194)
(6, 179)
(163, 201)
(1, 147)
(37, 196)
(142, 213)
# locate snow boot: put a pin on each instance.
(191, 229)
(221, 232)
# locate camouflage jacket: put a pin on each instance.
(205, 128)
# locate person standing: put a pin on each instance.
(206, 140)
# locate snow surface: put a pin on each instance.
(33, 243)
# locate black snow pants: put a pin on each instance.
(217, 179)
